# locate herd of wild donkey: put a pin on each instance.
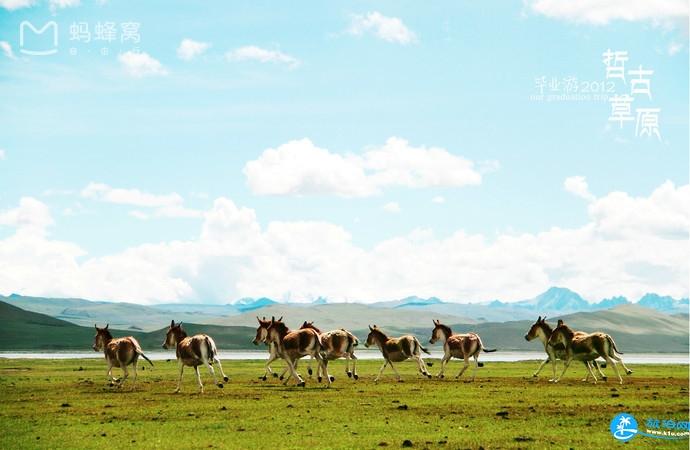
(291, 345)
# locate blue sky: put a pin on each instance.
(459, 80)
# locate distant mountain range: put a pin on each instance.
(403, 313)
(635, 328)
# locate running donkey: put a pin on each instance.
(119, 352)
(193, 351)
(587, 347)
(396, 350)
(462, 346)
(542, 330)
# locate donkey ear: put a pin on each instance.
(172, 324)
(257, 318)
(538, 319)
(281, 318)
(560, 322)
(273, 319)
(95, 326)
(106, 326)
(370, 329)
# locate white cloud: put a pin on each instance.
(190, 49)
(11, 5)
(674, 48)
(630, 246)
(31, 215)
(3, 155)
(439, 199)
(6, 49)
(577, 185)
(390, 29)
(60, 4)
(163, 205)
(299, 167)
(392, 207)
(135, 197)
(262, 55)
(139, 65)
(598, 12)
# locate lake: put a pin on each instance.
(632, 358)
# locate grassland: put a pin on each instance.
(67, 404)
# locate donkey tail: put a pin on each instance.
(352, 341)
(613, 344)
(481, 345)
(211, 347)
(145, 357)
(422, 348)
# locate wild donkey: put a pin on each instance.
(293, 345)
(193, 351)
(396, 350)
(119, 352)
(462, 346)
(336, 344)
(542, 330)
(586, 347)
(261, 336)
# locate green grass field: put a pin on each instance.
(67, 404)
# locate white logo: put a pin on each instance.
(49, 51)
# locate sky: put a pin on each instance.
(186, 151)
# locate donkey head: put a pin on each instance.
(534, 329)
(174, 335)
(276, 330)
(261, 331)
(440, 332)
(102, 337)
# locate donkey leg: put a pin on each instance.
(347, 365)
(385, 363)
(109, 373)
(590, 372)
(476, 364)
(309, 371)
(444, 361)
(618, 359)
(213, 373)
(179, 380)
(541, 366)
(354, 366)
(125, 372)
(566, 363)
(323, 368)
(598, 367)
(220, 367)
(615, 367)
(134, 380)
(395, 371)
(293, 372)
(464, 367)
(422, 366)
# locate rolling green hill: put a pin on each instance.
(26, 330)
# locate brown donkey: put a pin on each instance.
(293, 345)
(587, 347)
(119, 352)
(193, 351)
(261, 336)
(543, 331)
(396, 350)
(462, 346)
(337, 344)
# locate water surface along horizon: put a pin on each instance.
(506, 356)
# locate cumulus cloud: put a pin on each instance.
(11, 5)
(596, 12)
(674, 48)
(300, 167)
(577, 185)
(190, 49)
(139, 65)
(392, 207)
(629, 246)
(262, 55)
(3, 155)
(164, 205)
(390, 29)
(439, 199)
(6, 49)
(60, 4)
(31, 215)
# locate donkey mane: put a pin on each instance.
(310, 325)
(446, 329)
(379, 334)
